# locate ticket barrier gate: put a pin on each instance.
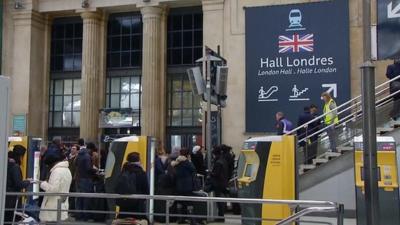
(118, 152)
(387, 181)
(30, 164)
(267, 170)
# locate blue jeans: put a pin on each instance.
(331, 131)
(83, 186)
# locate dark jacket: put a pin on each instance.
(393, 71)
(198, 162)
(220, 174)
(284, 126)
(83, 165)
(311, 128)
(184, 172)
(15, 183)
(161, 167)
(142, 187)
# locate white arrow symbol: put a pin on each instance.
(331, 88)
(393, 12)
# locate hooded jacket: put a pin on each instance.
(59, 182)
(185, 172)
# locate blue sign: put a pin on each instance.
(294, 53)
(19, 124)
(388, 29)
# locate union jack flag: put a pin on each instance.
(296, 43)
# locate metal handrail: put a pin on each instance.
(305, 212)
(319, 118)
(310, 206)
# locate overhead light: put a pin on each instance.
(18, 4)
(85, 3)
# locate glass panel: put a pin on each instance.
(114, 60)
(187, 119)
(114, 101)
(78, 46)
(107, 101)
(176, 85)
(115, 85)
(67, 103)
(68, 46)
(58, 63)
(198, 38)
(58, 47)
(198, 53)
(135, 84)
(136, 58)
(187, 39)
(58, 105)
(58, 31)
(176, 141)
(126, 25)
(177, 22)
(76, 119)
(125, 59)
(108, 85)
(124, 101)
(68, 63)
(58, 88)
(126, 43)
(177, 56)
(188, 22)
(51, 99)
(176, 100)
(176, 118)
(77, 87)
(115, 43)
(51, 91)
(77, 62)
(67, 87)
(58, 117)
(136, 25)
(50, 119)
(67, 119)
(196, 101)
(177, 39)
(135, 101)
(136, 42)
(187, 100)
(187, 56)
(114, 27)
(125, 84)
(186, 85)
(78, 30)
(198, 21)
(76, 103)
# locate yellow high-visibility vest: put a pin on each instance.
(329, 116)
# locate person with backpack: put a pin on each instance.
(132, 180)
(283, 125)
(15, 183)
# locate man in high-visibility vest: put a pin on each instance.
(331, 119)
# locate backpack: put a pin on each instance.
(126, 184)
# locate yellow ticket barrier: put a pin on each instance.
(119, 150)
(388, 184)
(267, 170)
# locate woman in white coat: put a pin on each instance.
(59, 182)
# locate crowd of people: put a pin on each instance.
(77, 169)
(309, 133)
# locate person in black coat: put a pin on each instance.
(392, 72)
(198, 160)
(185, 173)
(15, 183)
(220, 179)
(309, 145)
(135, 171)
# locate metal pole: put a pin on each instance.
(59, 202)
(367, 29)
(340, 214)
(369, 144)
(208, 130)
(167, 212)
(4, 109)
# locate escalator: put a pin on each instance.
(331, 175)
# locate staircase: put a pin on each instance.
(350, 126)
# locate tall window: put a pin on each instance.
(124, 41)
(185, 37)
(65, 103)
(66, 45)
(65, 83)
(185, 108)
(125, 92)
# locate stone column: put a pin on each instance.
(90, 75)
(28, 70)
(153, 73)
